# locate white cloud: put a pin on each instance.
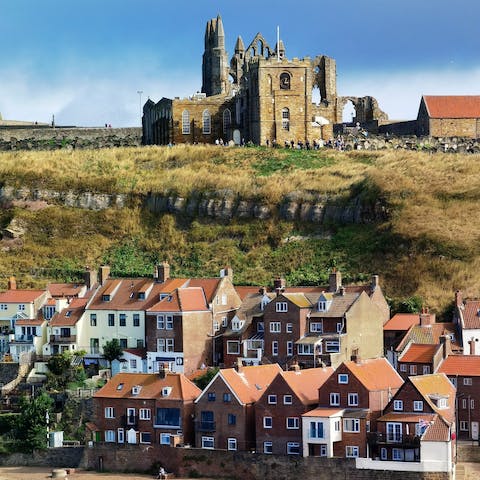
(399, 93)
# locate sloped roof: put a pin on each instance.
(402, 321)
(20, 296)
(305, 383)
(419, 353)
(65, 289)
(120, 386)
(323, 412)
(471, 316)
(375, 374)
(438, 431)
(452, 106)
(209, 285)
(428, 334)
(299, 299)
(70, 315)
(407, 417)
(34, 322)
(340, 304)
(461, 365)
(250, 382)
(190, 299)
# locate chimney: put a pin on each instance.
(90, 278)
(445, 341)
(262, 291)
(239, 365)
(279, 285)
(334, 281)
(458, 298)
(161, 371)
(163, 272)
(227, 272)
(12, 283)
(295, 367)
(471, 344)
(104, 273)
(375, 282)
(342, 290)
(426, 318)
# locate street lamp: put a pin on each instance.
(140, 103)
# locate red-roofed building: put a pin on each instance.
(145, 408)
(395, 329)
(278, 412)
(467, 319)
(464, 372)
(225, 411)
(449, 116)
(417, 425)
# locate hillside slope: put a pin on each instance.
(425, 242)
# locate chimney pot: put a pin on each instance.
(104, 273)
(12, 283)
(334, 281)
(163, 272)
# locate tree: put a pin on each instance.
(61, 372)
(112, 350)
(31, 428)
(203, 380)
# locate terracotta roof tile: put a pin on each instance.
(340, 305)
(429, 334)
(461, 365)
(65, 289)
(453, 106)
(70, 315)
(419, 353)
(471, 316)
(305, 383)
(36, 322)
(20, 296)
(209, 285)
(402, 321)
(188, 299)
(407, 417)
(299, 299)
(375, 374)
(151, 386)
(324, 412)
(438, 431)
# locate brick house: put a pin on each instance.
(449, 116)
(464, 373)
(418, 424)
(278, 411)
(144, 408)
(394, 331)
(225, 410)
(466, 317)
(350, 401)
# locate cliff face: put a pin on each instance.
(222, 206)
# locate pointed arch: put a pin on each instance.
(227, 120)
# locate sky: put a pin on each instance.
(85, 61)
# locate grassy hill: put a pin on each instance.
(428, 246)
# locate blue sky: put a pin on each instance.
(85, 61)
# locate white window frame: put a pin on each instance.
(164, 439)
(290, 446)
(334, 399)
(142, 438)
(289, 348)
(206, 122)
(351, 451)
(208, 443)
(351, 425)
(109, 436)
(343, 378)
(287, 400)
(305, 349)
(314, 430)
(316, 327)
(268, 448)
(353, 399)
(160, 322)
(109, 412)
(397, 455)
(418, 406)
(403, 367)
(292, 423)
(383, 453)
(230, 347)
(120, 435)
(398, 405)
(394, 431)
(426, 369)
(275, 348)
(275, 327)
(186, 122)
(463, 426)
(289, 328)
(224, 321)
(272, 399)
(267, 422)
(232, 444)
(169, 322)
(413, 369)
(144, 414)
(467, 381)
(281, 307)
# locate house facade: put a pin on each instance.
(466, 318)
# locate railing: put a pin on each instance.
(62, 339)
(23, 338)
(205, 426)
(376, 438)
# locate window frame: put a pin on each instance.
(268, 422)
(281, 307)
(292, 423)
(185, 122)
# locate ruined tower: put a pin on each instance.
(215, 64)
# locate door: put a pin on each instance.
(474, 430)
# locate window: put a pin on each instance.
(136, 319)
(467, 381)
(398, 405)
(316, 327)
(144, 414)
(351, 425)
(285, 119)
(403, 367)
(169, 417)
(93, 319)
(394, 432)
(287, 400)
(145, 437)
(133, 363)
(281, 307)
(339, 327)
(383, 453)
(275, 327)
(122, 319)
(227, 120)
(165, 439)
(316, 430)
(169, 322)
(216, 326)
(289, 348)
(208, 442)
(141, 295)
(165, 345)
(105, 298)
(121, 435)
(413, 369)
(260, 327)
(343, 378)
(267, 447)
(109, 412)
(233, 347)
(464, 426)
(288, 328)
(109, 435)
(224, 300)
(231, 419)
(272, 399)
(464, 403)
(334, 399)
(353, 399)
(185, 122)
(3, 306)
(397, 454)
(267, 422)
(337, 425)
(292, 423)
(305, 349)
(21, 307)
(232, 444)
(111, 319)
(275, 348)
(322, 306)
(351, 451)
(227, 397)
(206, 123)
(212, 396)
(426, 369)
(293, 448)
(472, 404)
(224, 321)
(418, 406)
(332, 346)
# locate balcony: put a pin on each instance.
(205, 426)
(403, 441)
(62, 339)
(23, 338)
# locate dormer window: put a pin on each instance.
(322, 306)
(68, 313)
(106, 298)
(166, 391)
(141, 295)
(281, 307)
(136, 389)
(237, 324)
(119, 386)
(260, 327)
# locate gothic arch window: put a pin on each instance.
(227, 120)
(185, 122)
(206, 122)
(285, 119)
(285, 81)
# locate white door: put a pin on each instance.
(131, 436)
(474, 430)
(236, 137)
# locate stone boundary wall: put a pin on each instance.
(66, 457)
(193, 462)
(68, 138)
